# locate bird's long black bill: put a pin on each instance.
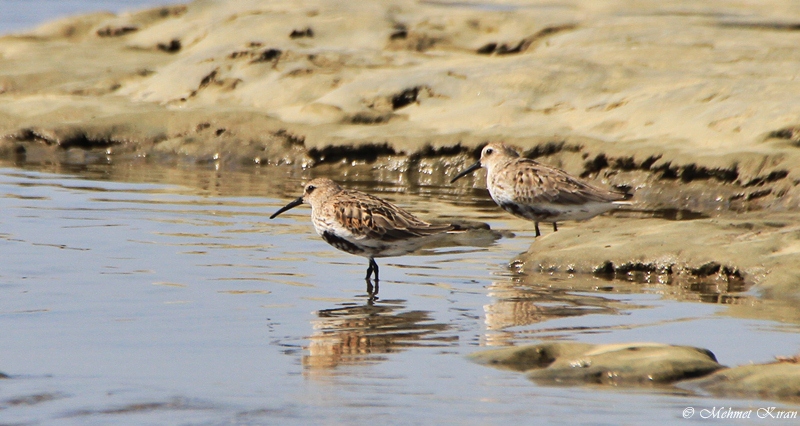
(469, 170)
(291, 205)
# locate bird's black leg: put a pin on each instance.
(373, 267)
(536, 226)
(369, 269)
(555, 227)
(372, 292)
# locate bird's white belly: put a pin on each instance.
(550, 212)
(341, 238)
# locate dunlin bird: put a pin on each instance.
(360, 224)
(536, 192)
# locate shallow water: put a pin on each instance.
(144, 293)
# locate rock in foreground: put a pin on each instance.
(646, 364)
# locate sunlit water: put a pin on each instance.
(162, 295)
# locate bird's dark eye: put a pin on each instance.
(489, 151)
(310, 189)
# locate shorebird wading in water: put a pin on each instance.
(360, 224)
(536, 192)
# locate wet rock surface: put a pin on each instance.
(751, 248)
(410, 74)
(779, 380)
(569, 363)
(645, 364)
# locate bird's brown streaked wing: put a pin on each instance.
(536, 183)
(370, 217)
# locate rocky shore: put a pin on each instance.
(647, 364)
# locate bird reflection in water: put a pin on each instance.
(360, 334)
(528, 299)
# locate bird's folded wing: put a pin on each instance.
(376, 219)
(537, 184)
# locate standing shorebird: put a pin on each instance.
(537, 192)
(360, 224)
